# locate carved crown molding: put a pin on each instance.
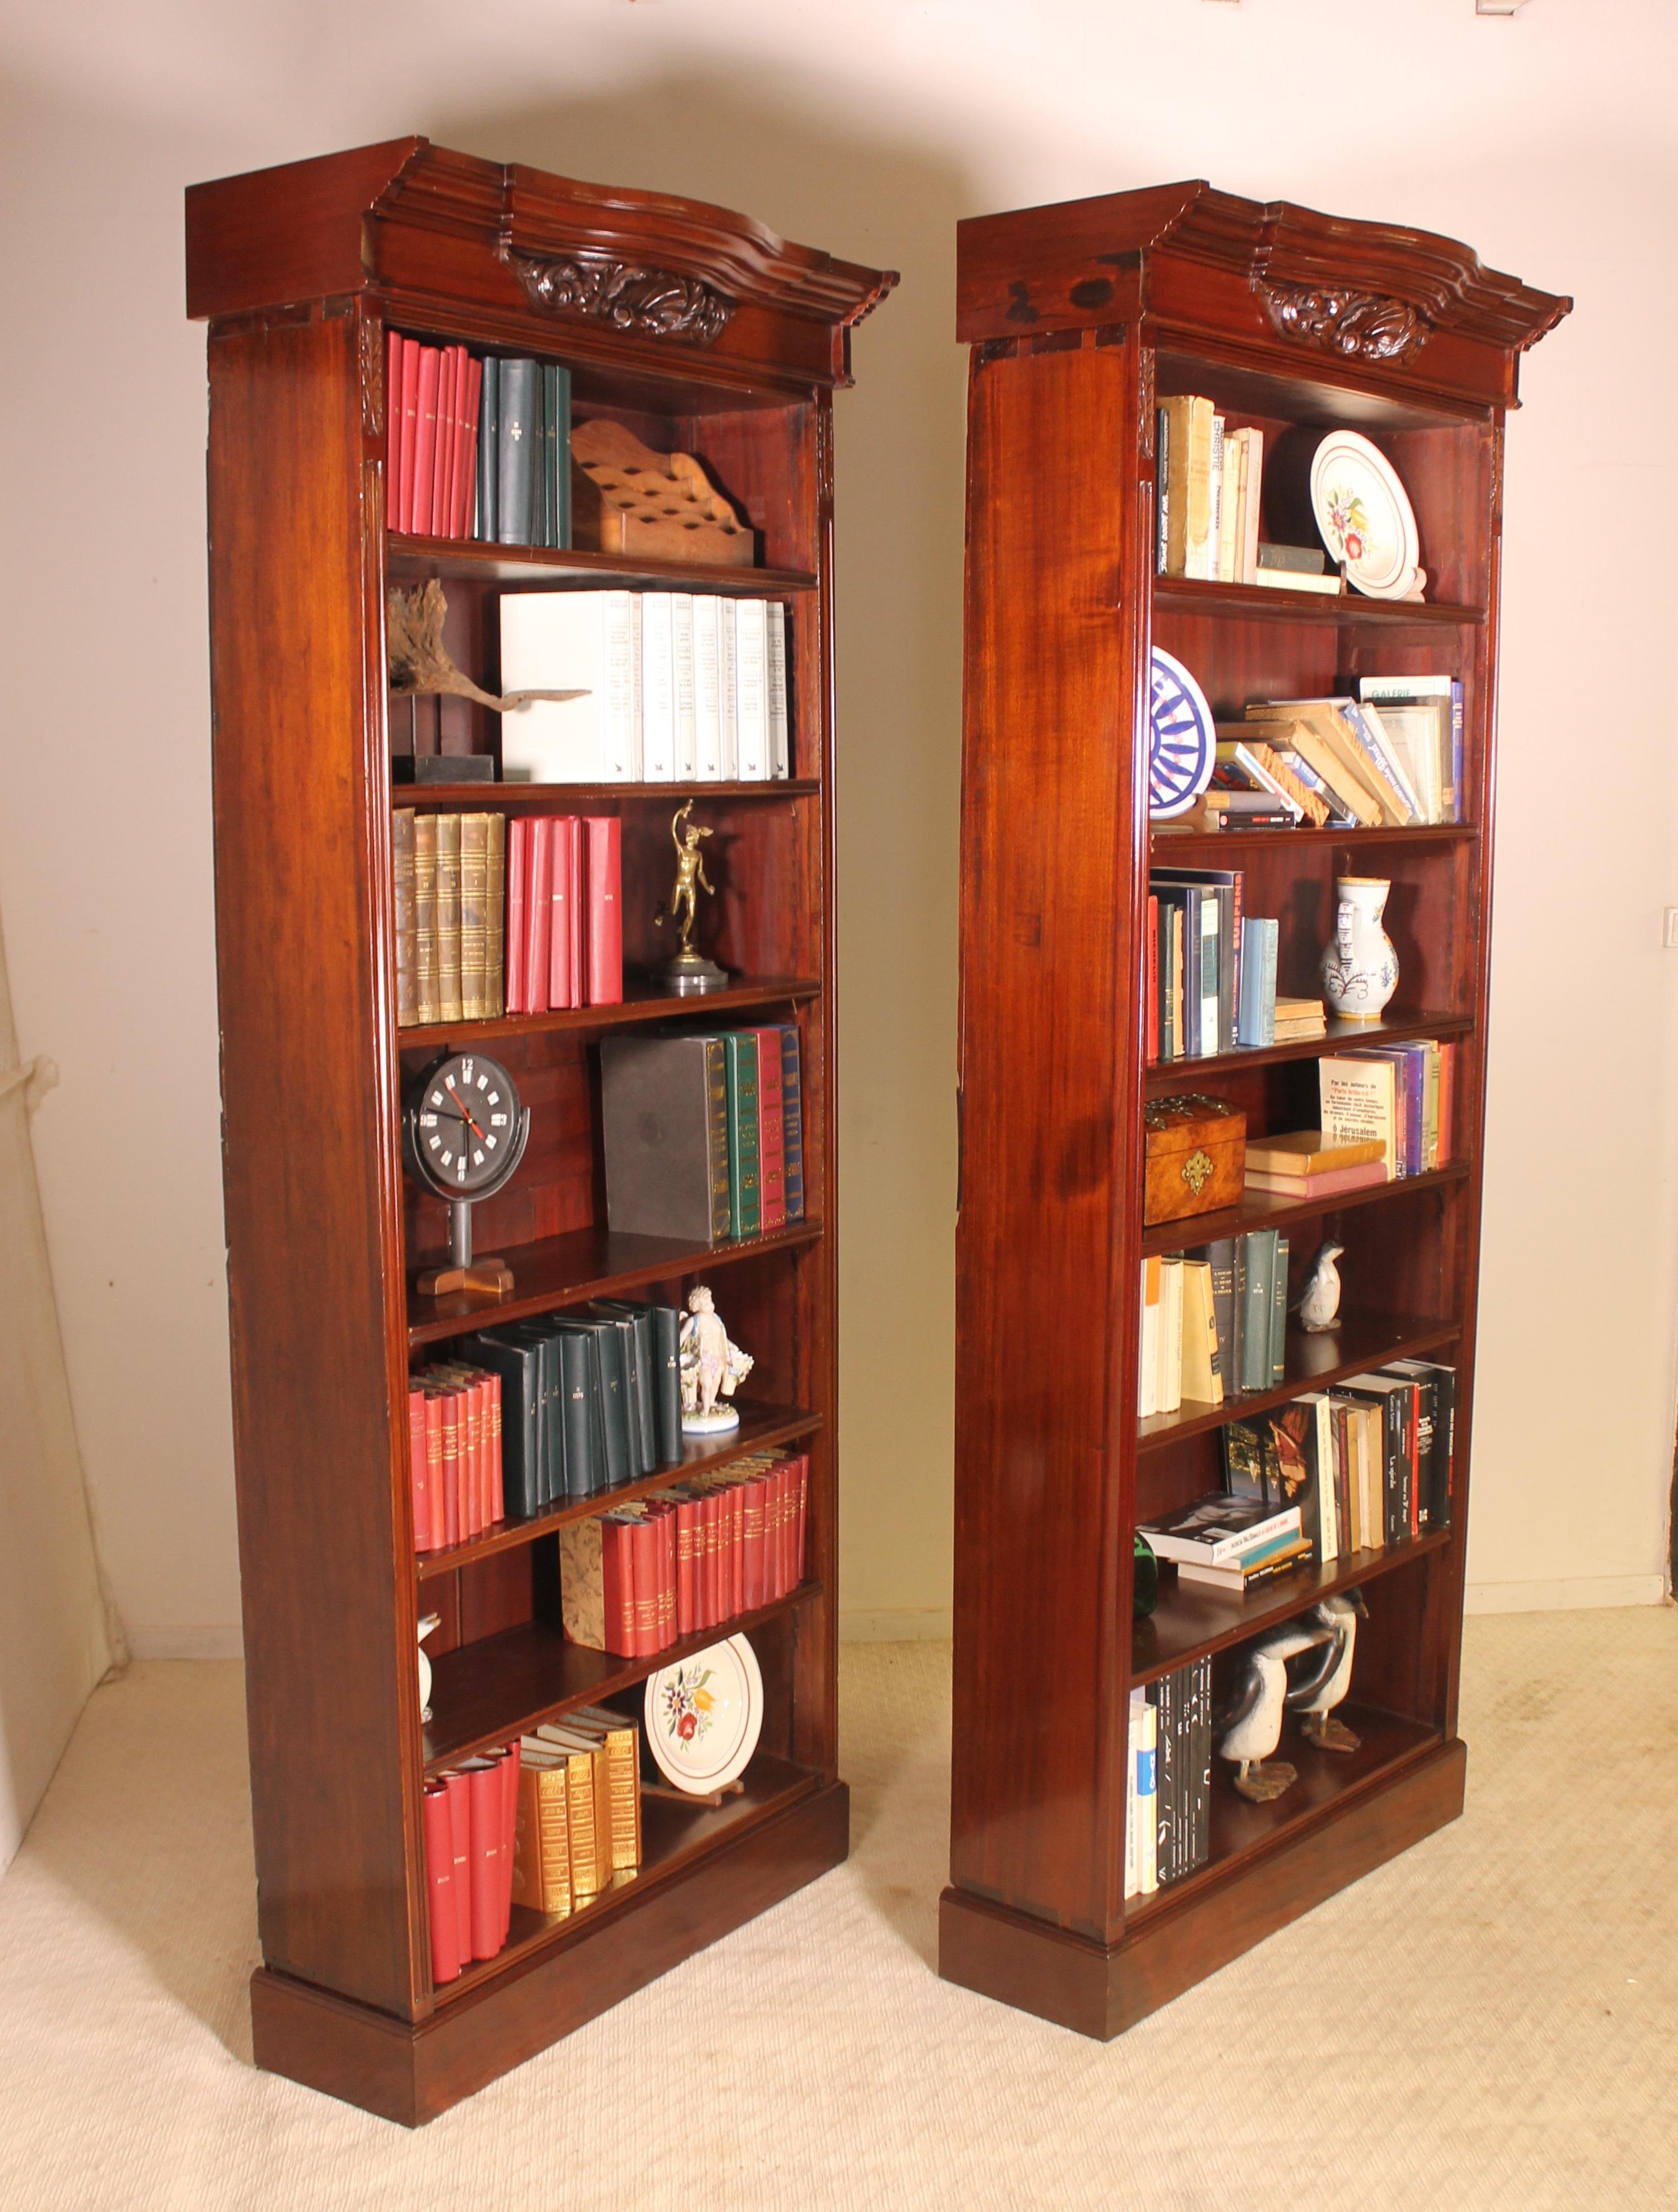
(627, 295)
(1361, 326)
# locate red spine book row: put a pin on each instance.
(472, 1817)
(564, 913)
(431, 406)
(454, 1454)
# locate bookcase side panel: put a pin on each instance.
(314, 1281)
(1047, 793)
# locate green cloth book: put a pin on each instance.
(745, 1193)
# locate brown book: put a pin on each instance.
(663, 1114)
(448, 918)
(495, 956)
(542, 1842)
(474, 916)
(588, 1802)
(401, 867)
(1308, 1152)
(621, 1740)
(427, 1007)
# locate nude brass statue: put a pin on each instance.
(689, 971)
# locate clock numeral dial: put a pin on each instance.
(463, 1127)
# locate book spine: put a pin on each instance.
(440, 1885)
(716, 1102)
(411, 369)
(622, 630)
(563, 872)
(425, 445)
(657, 689)
(1162, 496)
(551, 450)
(474, 917)
(1259, 1292)
(448, 918)
(489, 453)
(465, 502)
(745, 1157)
(771, 1131)
(393, 429)
(792, 1124)
(560, 420)
(484, 1804)
(728, 695)
(495, 912)
(428, 1006)
(442, 467)
(780, 745)
(1278, 1314)
(603, 892)
(1146, 1792)
(684, 686)
(419, 1475)
(538, 914)
(402, 862)
(752, 690)
(518, 877)
(515, 492)
(707, 689)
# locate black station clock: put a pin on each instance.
(462, 1134)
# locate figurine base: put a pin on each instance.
(1262, 1783)
(1330, 1734)
(690, 975)
(716, 1423)
(1320, 1327)
(490, 1275)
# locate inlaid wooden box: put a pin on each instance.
(1196, 1158)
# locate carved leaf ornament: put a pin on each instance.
(623, 294)
(1362, 326)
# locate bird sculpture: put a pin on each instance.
(1319, 1681)
(1318, 1305)
(1251, 1723)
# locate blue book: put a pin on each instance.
(1255, 1018)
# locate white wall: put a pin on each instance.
(1545, 141)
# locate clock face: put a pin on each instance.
(1182, 739)
(464, 1126)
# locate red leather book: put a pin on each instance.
(687, 1530)
(509, 1830)
(449, 512)
(419, 1479)
(486, 1788)
(753, 1546)
(468, 506)
(617, 1590)
(602, 890)
(393, 428)
(425, 439)
(771, 1152)
(646, 1550)
(716, 1557)
(734, 1501)
(440, 1886)
(780, 1513)
(460, 1836)
(497, 1494)
(448, 1403)
(562, 885)
(433, 1468)
(412, 350)
(448, 433)
(663, 1514)
(518, 877)
(537, 915)
(1447, 1098)
(574, 906)
(800, 1513)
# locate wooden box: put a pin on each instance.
(1196, 1158)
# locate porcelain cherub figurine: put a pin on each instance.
(710, 1366)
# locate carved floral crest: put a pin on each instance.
(1363, 326)
(625, 294)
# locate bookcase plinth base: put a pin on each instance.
(1101, 1990)
(409, 2071)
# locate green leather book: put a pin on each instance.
(1259, 1296)
(745, 1195)
(515, 488)
(610, 1365)
(638, 1320)
(582, 1418)
(556, 431)
(488, 450)
(518, 1363)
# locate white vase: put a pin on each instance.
(1361, 967)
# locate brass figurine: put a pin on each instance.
(689, 972)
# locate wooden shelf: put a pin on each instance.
(1313, 1362)
(643, 1001)
(504, 1685)
(761, 1427)
(1328, 1782)
(673, 1838)
(1192, 1620)
(585, 1263)
(1264, 1209)
(1168, 840)
(565, 797)
(1249, 602)
(1168, 1075)
(466, 561)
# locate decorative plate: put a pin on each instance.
(1182, 742)
(1365, 517)
(704, 1715)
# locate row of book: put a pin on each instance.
(1400, 1096)
(471, 1815)
(493, 919)
(1212, 971)
(1389, 758)
(1168, 1779)
(1214, 1321)
(703, 1133)
(687, 1558)
(1208, 485)
(579, 1832)
(476, 448)
(454, 1447)
(674, 687)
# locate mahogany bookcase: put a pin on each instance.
(1081, 318)
(702, 332)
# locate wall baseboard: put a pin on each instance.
(223, 1640)
(911, 1625)
(1572, 1593)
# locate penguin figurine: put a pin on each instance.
(1251, 1723)
(1319, 1302)
(1317, 1684)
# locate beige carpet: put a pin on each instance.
(1492, 2021)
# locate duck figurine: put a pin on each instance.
(1319, 1683)
(1250, 1723)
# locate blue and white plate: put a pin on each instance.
(1183, 741)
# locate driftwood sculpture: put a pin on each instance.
(419, 663)
(625, 498)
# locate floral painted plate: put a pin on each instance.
(704, 1716)
(1365, 517)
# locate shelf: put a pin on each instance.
(760, 1427)
(595, 1262)
(673, 1837)
(1250, 602)
(567, 797)
(1169, 838)
(504, 1685)
(643, 1001)
(1192, 1620)
(466, 561)
(1313, 1362)
(1264, 1209)
(1327, 1780)
(1170, 1075)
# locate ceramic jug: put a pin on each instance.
(1361, 967)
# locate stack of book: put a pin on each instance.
(589, 1399)
(579, 1828)
(1299, 1019)
(524, 485)
(1168, 1825)
(1229, 1541)
(703, 1133)
(1342, 761)
(432, 399)
(450, 916)
(564, 912)
(677, 687)
(1304, 1163)
(470, 1815)
(1211, 968)
(687, 1558)
(1207, 493)
(1214, 1321)
(1400, 1096)
(454, 1453)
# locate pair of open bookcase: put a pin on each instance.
(702, 333)
(1081, 318)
